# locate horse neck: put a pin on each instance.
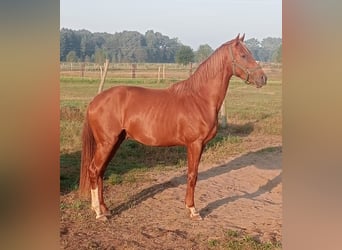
(211, 79)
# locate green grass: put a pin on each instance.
(78, 91)
(261, 107)
(250, 112)
(69, 171)
(236, 240)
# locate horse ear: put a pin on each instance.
(243, 37)
(237, 38)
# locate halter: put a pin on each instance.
(246, 70)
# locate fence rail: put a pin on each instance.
(143, 70)
(127, 70)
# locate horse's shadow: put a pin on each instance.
(237, 163)
(262, 189)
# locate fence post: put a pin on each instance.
(134, 67)
(103, 75)
(82, 69)
(163, 71)
(158, 74)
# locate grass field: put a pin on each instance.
(250, 113)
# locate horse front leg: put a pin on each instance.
(194, 152)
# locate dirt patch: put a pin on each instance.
(244, 193)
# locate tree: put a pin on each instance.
(185, 55)
(277, 55)
(131, 46)
(160, 48)
(87, 44)
(71, 56)
(100, 56)
(265, 50)
(203, 52)
(126, 46)
(269, 46)
(87, 58)
(69, 40)
(254, 46)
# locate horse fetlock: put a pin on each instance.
(194, 214)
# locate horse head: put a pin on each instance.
(244, 65)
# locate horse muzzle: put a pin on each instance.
(257, 81)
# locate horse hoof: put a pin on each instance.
(196, 217)
(100, 214)
(101, 217)
(107, 213)
(194, 214)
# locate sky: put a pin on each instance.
(193, 22)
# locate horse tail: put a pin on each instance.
(88, 151)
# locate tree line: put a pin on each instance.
(151, 47)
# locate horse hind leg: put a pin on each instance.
(104, 153)
(96, 170)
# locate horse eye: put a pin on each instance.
(244, 56)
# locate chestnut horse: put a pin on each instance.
(184, 114)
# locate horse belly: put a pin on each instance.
(152, 125)
(153, 134)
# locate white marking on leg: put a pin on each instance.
(194, 213)
(95, 202)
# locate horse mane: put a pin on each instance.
(206, 70)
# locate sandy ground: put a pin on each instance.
(243, 193)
